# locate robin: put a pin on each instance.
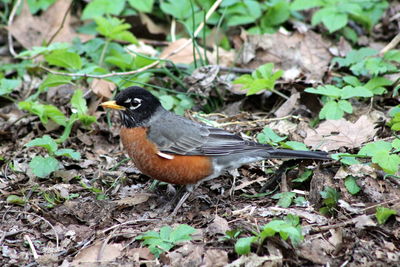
(176, 150)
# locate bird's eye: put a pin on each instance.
(136, 102)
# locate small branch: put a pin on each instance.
(395, 41)
(32, 247)
(199, 28)
(10, 21)
(62, 24)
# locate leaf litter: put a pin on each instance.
(92, 229)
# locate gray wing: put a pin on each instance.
(177, 135)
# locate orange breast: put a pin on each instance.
(179, 170)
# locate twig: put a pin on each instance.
(199, 28)
(28, 239)
(62, 24)
(395, 41)
(255, 121)
(10, 21)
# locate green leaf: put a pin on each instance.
(167, 101)
(115, 29)
(243, 245)
(345, 106)
(388, 162)
(295, 145)
(306, 4)
(277, 13)
(53, 80)
(14, 199)
(352, 80)
(331, 111)
(371, 149)
(396, 144)
(303, 177)
(37, 5)
(142, 6)
(268, 136)
(285, 199)
(328, 90)
(382, 214)
(55, 114)
(8, 85)
(182, 233)
(98, 8)
(359, 91)
(43, 166)
(78, 102)
(46, 142)
(330, 196)
(351, 185)
(67, 152)
(64, 59)
(335, 21)
(165, 233)
(179, 9)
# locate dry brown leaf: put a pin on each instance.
(218, 226)
(215, 258)
(153, 27)
(91, 254)
(33, 31)
(102, 88)
(307, 52)
(287, 107)
(185, 56)
(333, 134)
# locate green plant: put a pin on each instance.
(268, 136)
(369, 62)
(45, 112)
(100, 194)
(336, 99)
(288, 228)
(351, 185)
(330, 199)
(8, 85)
(383, 153)
(43, 166)
(166, 238)
(336, 14)
(382, 214)
(263, 78)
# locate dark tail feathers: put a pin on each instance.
(297, 154)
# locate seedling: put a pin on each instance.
(166, 238)
(43, 166)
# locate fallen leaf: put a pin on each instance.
(91, 254)
(102, 88)
(215, 258)
(253, 260)
(334, 134)
(363, 221)
(184, 56)
(288, 106)
(132, 201)
(33, 31)
(307, 52)
(218, 226)
(153, 27)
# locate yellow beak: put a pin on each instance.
(112, 104)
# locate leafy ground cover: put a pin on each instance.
(302, 74)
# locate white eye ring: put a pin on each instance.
(136, 103)
(128, 100)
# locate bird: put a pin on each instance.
(173, 149)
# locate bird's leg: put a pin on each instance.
(189, 190)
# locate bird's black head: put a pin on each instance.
(136, 106)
